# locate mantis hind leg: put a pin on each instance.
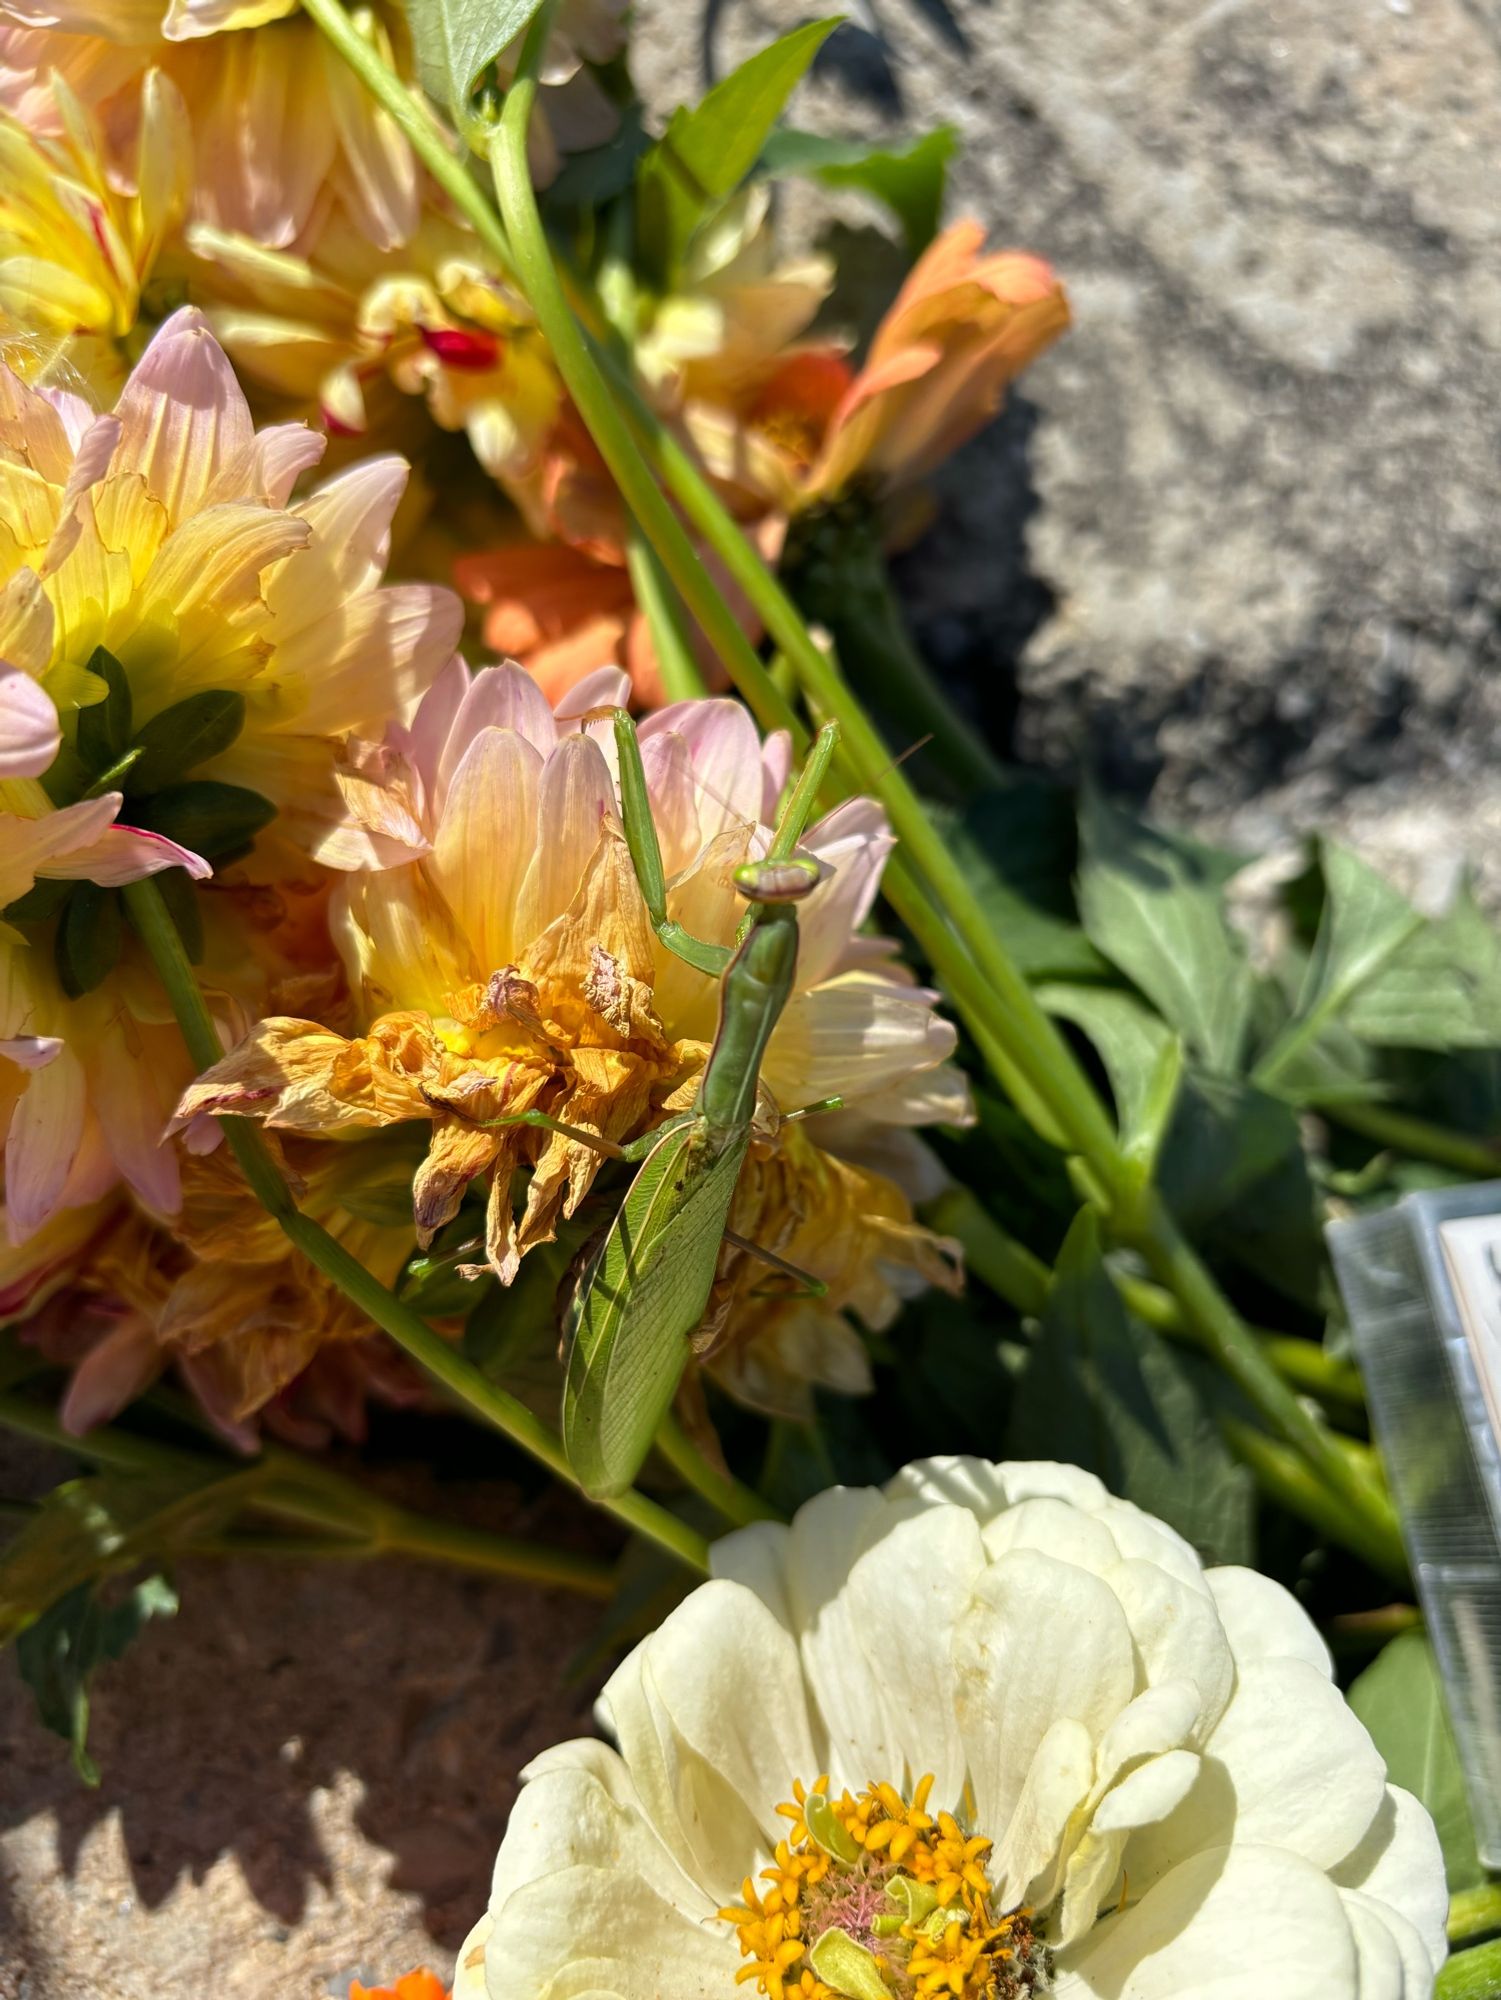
(815, 1288)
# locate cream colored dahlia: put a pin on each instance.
(501, 959)
(988, 1732)
(148, 557)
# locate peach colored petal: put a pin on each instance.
(46, 1132)
(29, 732)
(183, 416)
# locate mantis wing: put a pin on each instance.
(640, 1304)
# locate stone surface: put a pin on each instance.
(306, 1775)
(1236, 548)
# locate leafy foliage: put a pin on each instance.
(1104, 1392)
(454, 41)
(1400, 1700)
(59, 1655)
(909, 181)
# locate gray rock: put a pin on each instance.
(1235, 547)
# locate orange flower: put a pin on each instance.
(415, 1986)
(962, 328)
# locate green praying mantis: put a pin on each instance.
(643, 1293)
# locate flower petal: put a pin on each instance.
(1231, 1923)
(29, 732)
(183, 416)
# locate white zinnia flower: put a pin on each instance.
(989, 1732)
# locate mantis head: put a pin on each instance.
(778, 881)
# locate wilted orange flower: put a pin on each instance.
(496, 942)
(254, 1331)
(962, 328)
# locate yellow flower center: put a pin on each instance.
(874, 1896)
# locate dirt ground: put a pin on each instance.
(305, 1777)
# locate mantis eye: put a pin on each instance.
(779, 881)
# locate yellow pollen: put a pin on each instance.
(916, 1898)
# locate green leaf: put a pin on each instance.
(208, 818)
(1102, 1391)
(1365, 923)
(910, 180)
(1400, 1699)
(1224, 1139)
(1440, 989)
(1016, 847)
(454, 40)
(188, 733)
(89, 935)
(96, 1527)
(59, 1655)
(707, 151)
(104, 727)
(1133, 1044)
(1152, 904)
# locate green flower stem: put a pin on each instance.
(724, 1493)
(663, 612)
(1418, 1137)
(428, 140)
(359, 1523)
(1020, 1277)
(1284, 1475)
(1475, 1912)
(638, 448)
(1471, 1975)
(841, 582)
(412, 1334)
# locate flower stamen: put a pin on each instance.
(872, 1894)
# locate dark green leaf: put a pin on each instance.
(1016, 848)
(1102, 1391)
(1152, 904)
(1224, 1139)
(1132, 1042)
(454, 40)
(707, 151)
(208, 818)
(909, 180)
(104, 727)
(59, 1655)
(188, 733)
(1365, 923)
(1400, 1699)
(97, 1527)
(42, 900)
(1440, 989)
(87, 946)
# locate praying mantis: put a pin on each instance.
(643, 1294)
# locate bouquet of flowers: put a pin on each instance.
(472, 940)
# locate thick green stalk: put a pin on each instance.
(1417, 1136)
(293, 1489)
(1020, 1277)
(436, 1357)
(1230, 1342)
(1019, 1039)
(1474, 1913)
(1284, 1475)
(1471, 1975)
(681, 679)
(724, 1493)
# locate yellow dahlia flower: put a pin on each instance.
(76, 252)
(501, 960)
(988, 1734)
(183, 649)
